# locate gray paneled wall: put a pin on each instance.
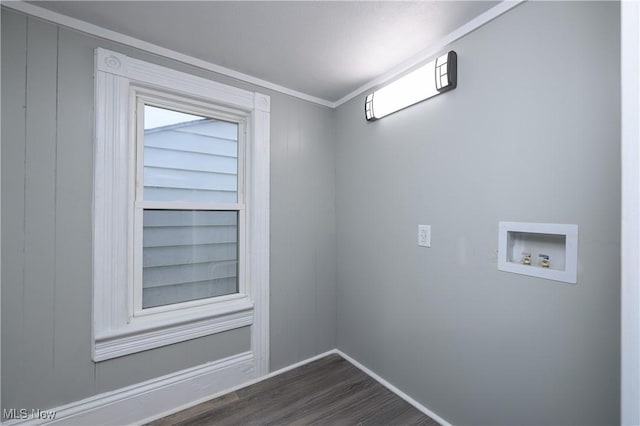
(47, 156)
(532, 134)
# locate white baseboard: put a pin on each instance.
(144, 400)
(395, 390)
(166, 395)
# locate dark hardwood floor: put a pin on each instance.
(329, 391)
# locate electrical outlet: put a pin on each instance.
(424, 235)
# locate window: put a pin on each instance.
(189, 203)
(181, 175)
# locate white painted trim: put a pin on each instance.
(110, 62)
(257, 193)
(118, 328)
(437, 48)
(104, 33)
(394, 389)
(405, 66)
(630, 237)
(137, 341)
(134, 403)
(110, 205)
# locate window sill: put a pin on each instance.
(143, 333)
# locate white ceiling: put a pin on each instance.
(325, 49)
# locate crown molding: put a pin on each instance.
(94, 30)
(405, 66)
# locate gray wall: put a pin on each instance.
(47, 155)
(531, 134)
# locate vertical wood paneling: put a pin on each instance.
(302, 232)
(39, 275)
(14, 62)
(64, 223)
(72, 353)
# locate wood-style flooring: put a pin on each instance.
(329, 391)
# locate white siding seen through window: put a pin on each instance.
(188, 254)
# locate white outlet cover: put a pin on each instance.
(424, 235)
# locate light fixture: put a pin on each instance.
(438, 76)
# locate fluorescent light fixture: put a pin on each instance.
(438, 76)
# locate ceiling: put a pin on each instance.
(326, 49)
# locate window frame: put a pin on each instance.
(144, 96)
(120, 325)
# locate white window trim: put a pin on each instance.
(116, 331)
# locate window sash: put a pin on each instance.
(178, 103)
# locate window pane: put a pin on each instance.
(189, 157)
(188, 255)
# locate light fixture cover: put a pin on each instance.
(438, 76)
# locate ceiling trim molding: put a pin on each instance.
(94, 30)
(434, 49)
